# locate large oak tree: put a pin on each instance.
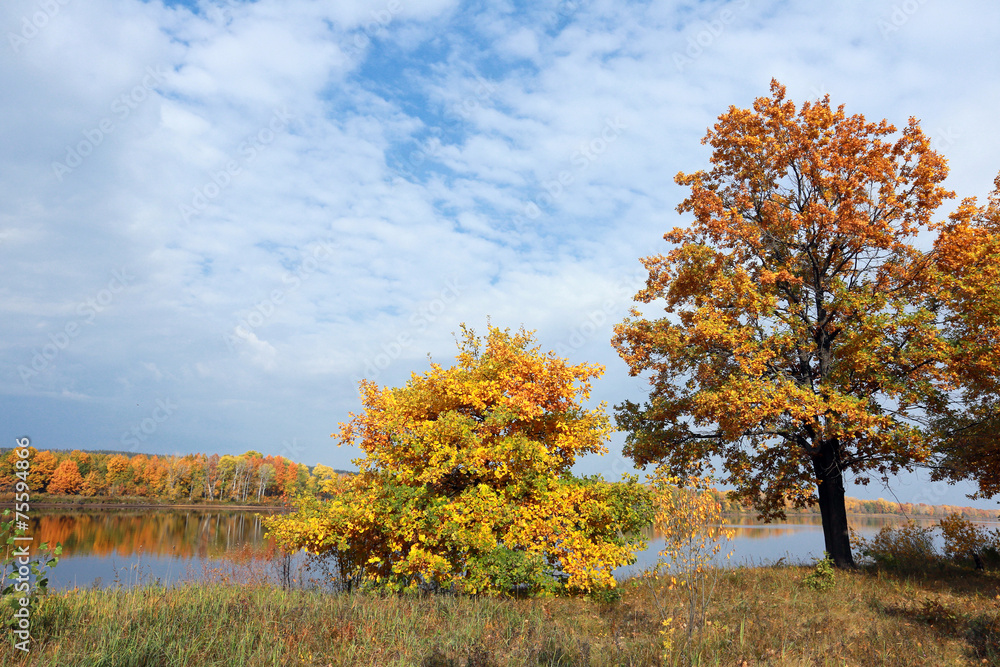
(805, 335)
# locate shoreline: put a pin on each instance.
(128, 505)
(95, 502)
(928, 517)
(287, 508)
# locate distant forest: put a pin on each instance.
(880, 506)
(248, 477)
(253, 477)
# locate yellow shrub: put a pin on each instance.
(466, 484)
(962, 538)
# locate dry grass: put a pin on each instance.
(765, 616)
(943, 615)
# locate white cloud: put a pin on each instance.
(417, 138)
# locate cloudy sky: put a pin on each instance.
(216, 216)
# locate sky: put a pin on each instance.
(216, 217)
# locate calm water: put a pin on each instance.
(111, 547)
(798, 540)
(130, 546)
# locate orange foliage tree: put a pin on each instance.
(8, 478)
(43, 465)
(94, 484)
(967, 257)
(466, 484)
(804, 335)
(66, 479)
(140, 465)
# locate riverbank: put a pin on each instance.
(756, 616)
(69, 503)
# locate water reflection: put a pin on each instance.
(130, 546)
(134, 546)
(184, 534)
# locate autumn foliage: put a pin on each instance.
(248, 477)
(967, 260)
(66, 479)
(465, 482)
(689, 521)
(964, 540)
(804, 335)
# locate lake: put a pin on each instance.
(109, 547)
(126, 547)
(798, 539)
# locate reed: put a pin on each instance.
(941, 615)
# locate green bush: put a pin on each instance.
(38, 568)
(900, 547)
(822, 578)
(516, 572)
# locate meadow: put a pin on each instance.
(936, 614)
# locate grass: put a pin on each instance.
(940, 615)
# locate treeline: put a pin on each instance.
(253, 477)
(880, 506)
(248, 477)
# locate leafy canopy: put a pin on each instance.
(465, 481)
(967, 261)
(804, 334)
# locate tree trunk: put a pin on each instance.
(831, 504)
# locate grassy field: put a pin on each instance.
(943, 615)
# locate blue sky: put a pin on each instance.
(215, 217)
